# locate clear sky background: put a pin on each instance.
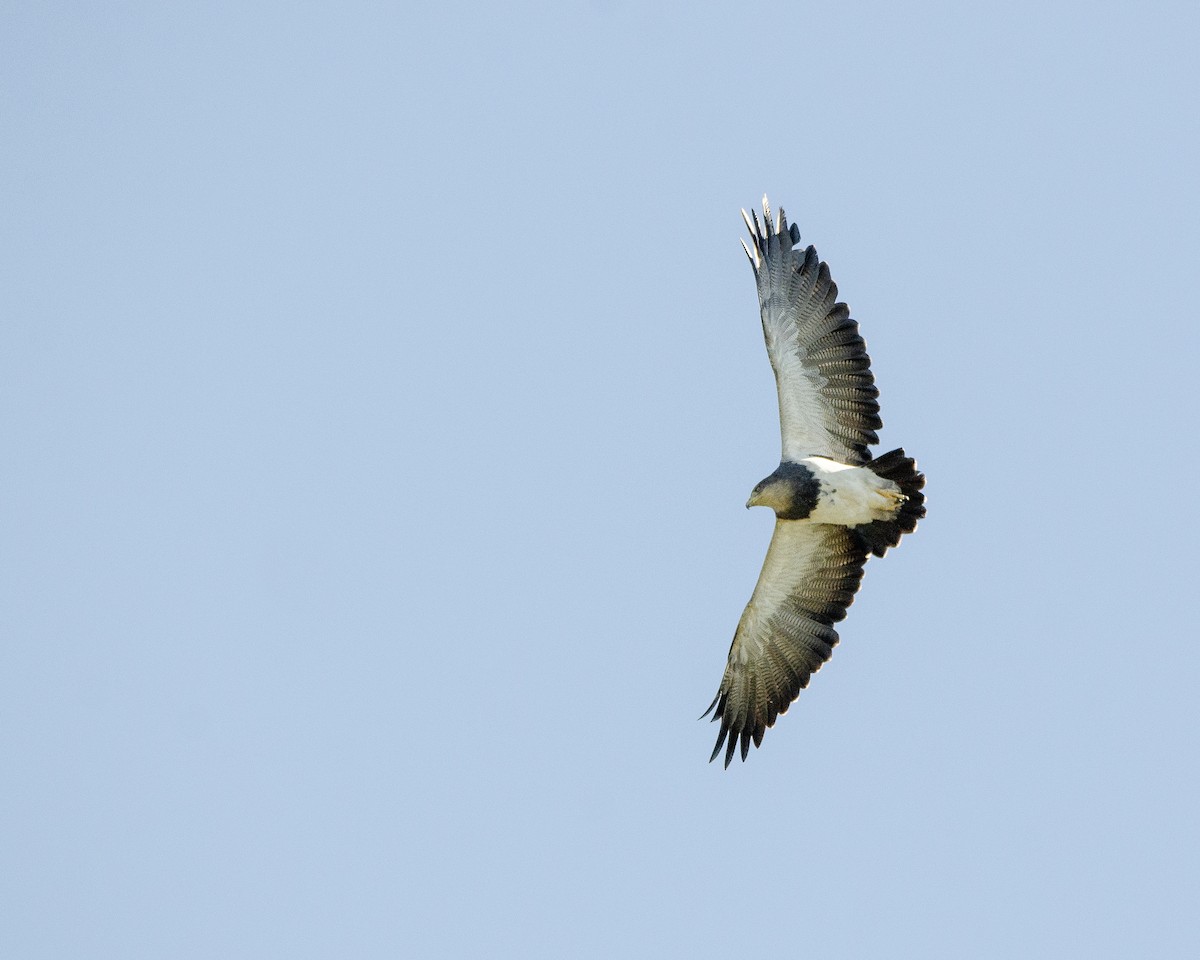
(381, 388)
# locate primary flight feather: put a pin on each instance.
(834, 505)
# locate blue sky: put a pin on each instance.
(381, 389)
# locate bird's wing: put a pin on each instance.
(827, 395)
(809, 578)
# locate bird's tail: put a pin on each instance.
(878, 535)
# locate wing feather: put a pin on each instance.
(808, 579)
(827, 394)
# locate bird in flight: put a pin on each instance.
(834, 505)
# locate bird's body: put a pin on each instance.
(834, 505)
(821, 490)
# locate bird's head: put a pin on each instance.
(773, 492)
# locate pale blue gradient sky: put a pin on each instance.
(381, 386)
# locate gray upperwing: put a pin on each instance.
(827, 394)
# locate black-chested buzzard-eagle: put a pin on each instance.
(834, 505)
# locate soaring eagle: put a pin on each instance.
(834, 505)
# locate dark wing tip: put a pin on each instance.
(737, 733)
(730, 733)
(771, 239)
(757, 248)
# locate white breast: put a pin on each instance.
(851, 495)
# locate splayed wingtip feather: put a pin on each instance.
(750, 256)
(720, 743)
(749, 225)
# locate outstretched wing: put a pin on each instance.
(809, 578)
(827, 395)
